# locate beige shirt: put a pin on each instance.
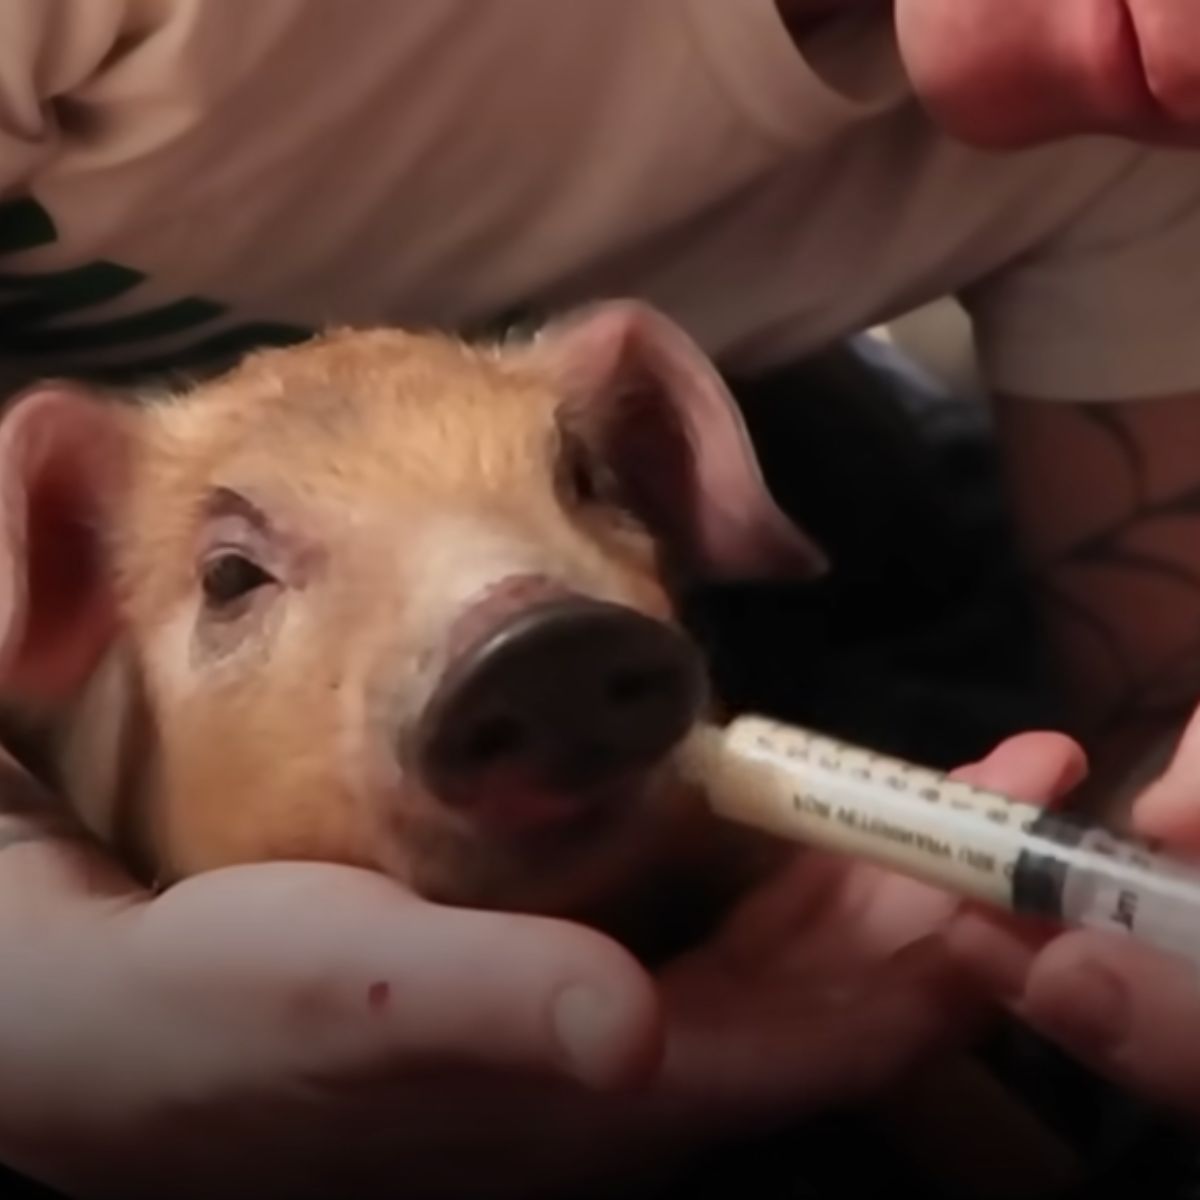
(184, 177)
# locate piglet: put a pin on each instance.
(394, 600)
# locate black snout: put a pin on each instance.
(565, 696)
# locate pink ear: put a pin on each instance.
(62, 454)
(675, 437)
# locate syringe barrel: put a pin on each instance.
(843, 798)
(916, 820)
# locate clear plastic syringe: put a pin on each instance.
(1010, 854)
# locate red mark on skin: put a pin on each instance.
(378, 995)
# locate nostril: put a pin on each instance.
(495, 737)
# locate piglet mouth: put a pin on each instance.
(552, 716)
(517, 809)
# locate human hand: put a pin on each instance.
(1007, 73)
(304, 1030)
(830, 982)
(1125, 1010)
(291, 1030)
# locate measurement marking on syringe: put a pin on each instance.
(978, 859)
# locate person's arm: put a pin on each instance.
(1105, 498)
(1091, 344)
(1088, 344)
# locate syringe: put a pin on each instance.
(974, 843)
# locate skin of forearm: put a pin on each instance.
(1106, 501)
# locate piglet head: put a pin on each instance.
(389, 599)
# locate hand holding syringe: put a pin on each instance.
(1010, 854)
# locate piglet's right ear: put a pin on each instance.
(672, 432)
(64, 456)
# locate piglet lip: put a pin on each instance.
(526, 811)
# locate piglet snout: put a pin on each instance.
(553, 703)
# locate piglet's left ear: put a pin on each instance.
(672, 433)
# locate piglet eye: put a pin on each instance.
(228, 577)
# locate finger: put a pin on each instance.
(1038, 767)
(784, 1051)
(1167, 36)
(1169, 808)
(1014, 72)
(1125, 1010)
(514, 992)
(343, 971)
(48, 862)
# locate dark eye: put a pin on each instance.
(229, 577)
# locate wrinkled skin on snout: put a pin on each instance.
(390, 600)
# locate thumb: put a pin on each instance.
(353, 975)
(1036, 767)
(1123, 1009)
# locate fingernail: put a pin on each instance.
(1089, 1014)
(586, 1022)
